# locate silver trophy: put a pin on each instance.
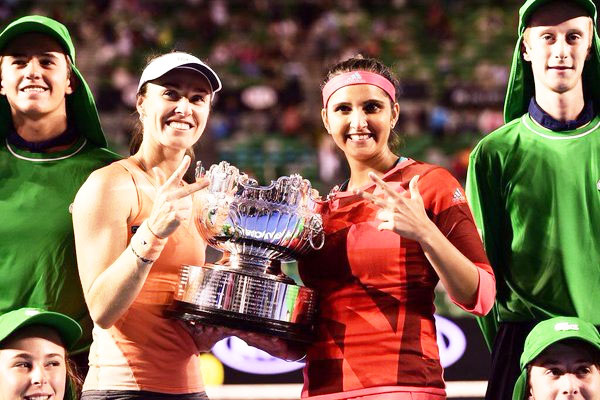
(259, 226)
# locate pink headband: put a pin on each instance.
(357, 78)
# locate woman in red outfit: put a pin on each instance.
(394, 229)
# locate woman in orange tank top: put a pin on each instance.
(133, 230)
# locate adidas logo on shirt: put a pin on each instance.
(458, 196)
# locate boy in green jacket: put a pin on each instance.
(534, 184)
(50, 141)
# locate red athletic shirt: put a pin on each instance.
(375, 326)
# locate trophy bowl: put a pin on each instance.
(259, 226)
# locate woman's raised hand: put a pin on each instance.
(401, 212)
(173, 201)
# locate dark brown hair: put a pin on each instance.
(360, 63)
(138, 129)
(74, 380)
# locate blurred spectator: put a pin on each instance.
(271, 54)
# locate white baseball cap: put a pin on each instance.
(179, 60)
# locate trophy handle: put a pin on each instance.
(235, 217)
(316, 229)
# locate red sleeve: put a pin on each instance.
(486, 294)
(446, 205)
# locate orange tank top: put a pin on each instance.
(144, 349)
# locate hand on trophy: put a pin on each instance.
(205, 336)
(275, 346)
(173, 203)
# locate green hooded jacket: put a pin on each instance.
(516, 188)
(521, 86)
(37, 255)
(81, 107)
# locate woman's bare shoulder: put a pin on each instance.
(112, 184)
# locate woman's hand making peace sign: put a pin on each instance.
(404, 213)
(173, 201)
(401, 212)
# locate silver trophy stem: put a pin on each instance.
(258, 265)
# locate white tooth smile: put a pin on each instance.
(179, 125)
(357, 137)
(34, 89)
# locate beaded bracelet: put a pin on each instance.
(144, 260)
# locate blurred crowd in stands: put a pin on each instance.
(451, 56)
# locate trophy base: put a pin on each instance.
(240, 299)
(291, 332)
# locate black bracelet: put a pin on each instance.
(144, 260)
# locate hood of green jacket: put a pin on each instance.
(81, 107)
(520, 82)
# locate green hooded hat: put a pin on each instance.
(521, 86)
(545, 334)
(81, 107)
(67, 328)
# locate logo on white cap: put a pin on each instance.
(170, 61)
(565, 326)
(185, 58)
